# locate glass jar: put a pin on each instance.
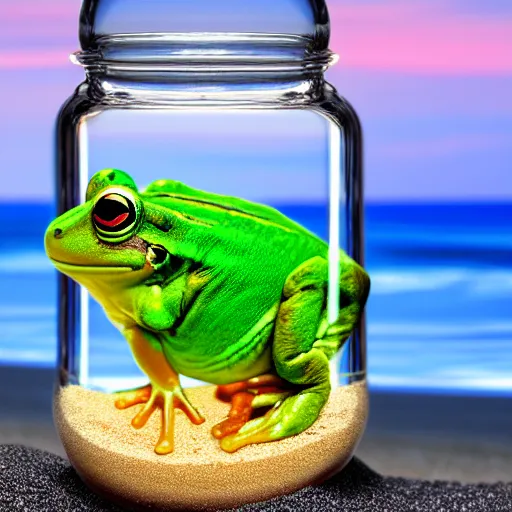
(213, 177)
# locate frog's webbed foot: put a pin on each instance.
(288, 417)
(296, 358)
(154, 397)
(245, 396)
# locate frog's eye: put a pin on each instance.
(114, 217)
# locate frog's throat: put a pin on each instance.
(68, 268)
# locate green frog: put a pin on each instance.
(216, 288)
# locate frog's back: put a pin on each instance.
(201, 205)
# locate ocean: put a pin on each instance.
(439, 315)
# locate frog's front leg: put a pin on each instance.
(302, 346)
(165, 390)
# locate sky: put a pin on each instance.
(271, 156)
(430, 80)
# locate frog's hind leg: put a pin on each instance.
(300, 357)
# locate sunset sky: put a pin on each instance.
(430, 79)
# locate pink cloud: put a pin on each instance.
(41, 59)
(26, 10)
(39, 24)
(420, 37)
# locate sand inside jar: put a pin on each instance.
(117, 460)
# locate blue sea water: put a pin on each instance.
(439, 314)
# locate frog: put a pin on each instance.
(217, 288)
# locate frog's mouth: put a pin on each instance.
(90, 269)
(156, 257)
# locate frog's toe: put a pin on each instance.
(260, 430)
(291, 417)
(132, 397)
(180, 401)
(227, 427)
(239, 415)
(262, 384)
(165, 443)
(164, 446)
(141, 418)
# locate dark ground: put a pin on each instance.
(31, 480)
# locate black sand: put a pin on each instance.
(36, 481)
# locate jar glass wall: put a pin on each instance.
(289, 159)
(243, 182)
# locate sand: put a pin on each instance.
(118, 461)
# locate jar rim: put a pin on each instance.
(205, 52)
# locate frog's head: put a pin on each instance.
(100, 236)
